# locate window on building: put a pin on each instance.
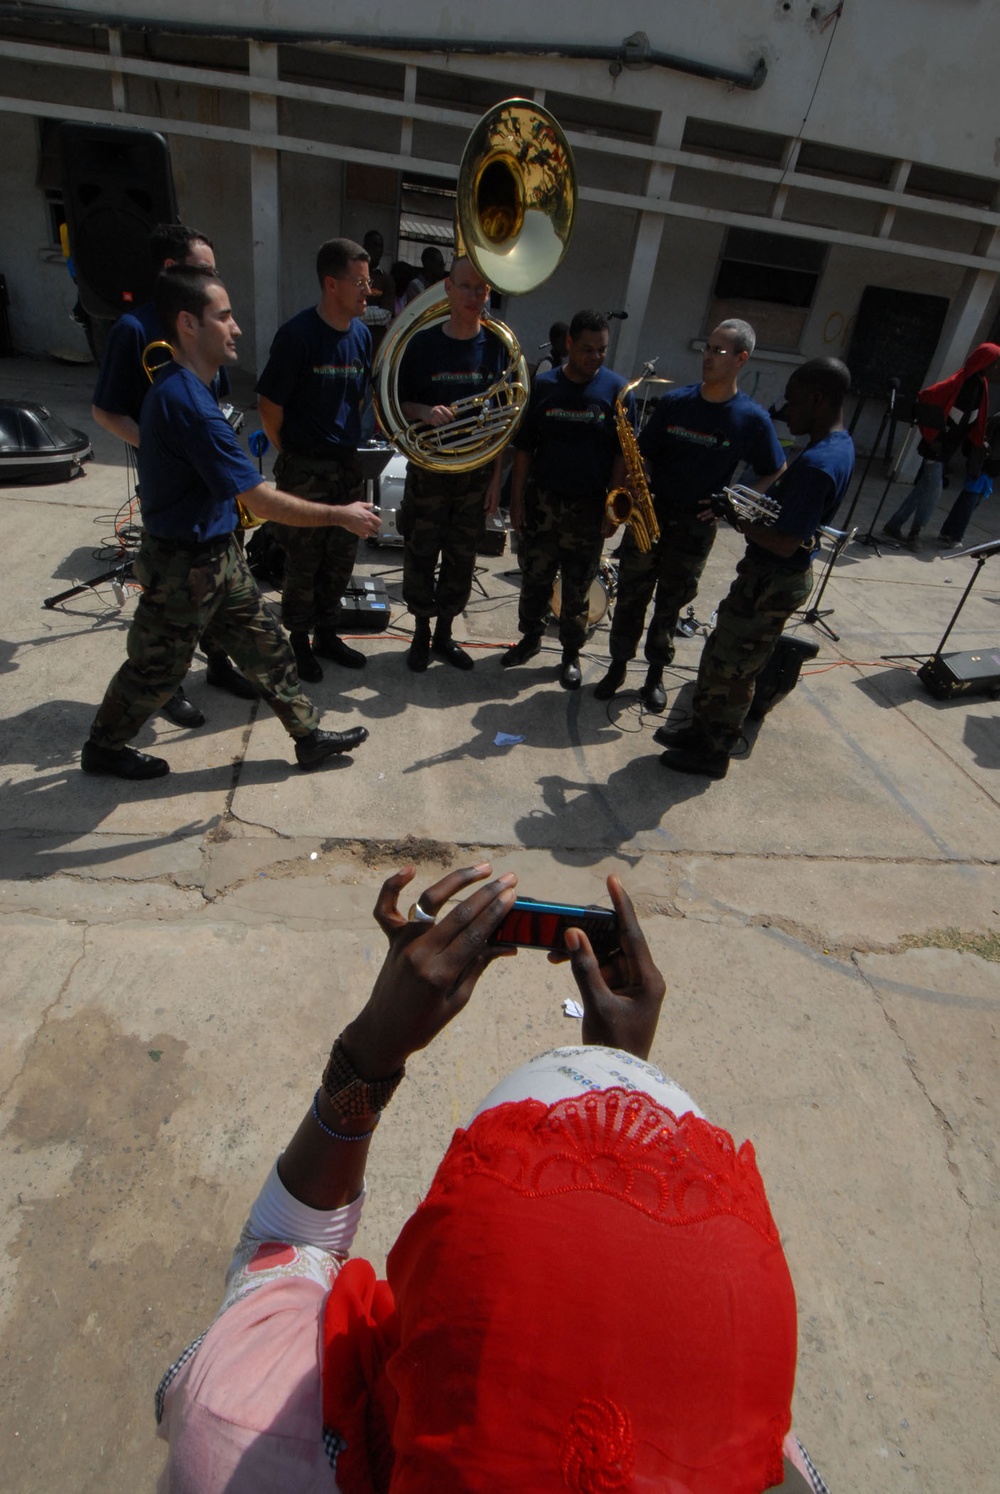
(845, 165)
(711, 137)
(953, 186)
(770, 281)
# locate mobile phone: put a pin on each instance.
(540, 925)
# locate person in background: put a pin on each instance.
(952, 417)
(381, 300)
(982, 467)
(556, 355)
(431, 271)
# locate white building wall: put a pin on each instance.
(886, 78)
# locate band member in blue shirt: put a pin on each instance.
(122, 385)
(774, 578)
(692, 443)
(567, 457)
(194, 576)
(443, 513)
(311, 398)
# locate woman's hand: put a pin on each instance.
(431, 968)
(621, 998)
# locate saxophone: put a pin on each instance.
(632, 505)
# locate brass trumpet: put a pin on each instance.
(514, 212)
(739, 504)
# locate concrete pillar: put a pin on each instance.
(265, 204)
(406, 123)
(966, 313)
(645, 253)
(118, 101)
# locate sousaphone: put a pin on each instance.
(514, 212)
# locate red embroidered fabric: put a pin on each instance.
(617, 1142)
(592, 1297)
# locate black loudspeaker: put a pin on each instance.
(780, 674)
(364, 607)
(975, 672)
(117, 186)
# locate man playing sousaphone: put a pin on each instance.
(443, 513)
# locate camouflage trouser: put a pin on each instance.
(760, 602)
(561, 534)
(673, 567)
(318, 562)
(189, 593)
(441, 515)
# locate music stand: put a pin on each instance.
(841, 539)
(982, 554)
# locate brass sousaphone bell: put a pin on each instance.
(514, 212)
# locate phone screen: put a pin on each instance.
(540, 925)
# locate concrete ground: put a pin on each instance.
(179, 955)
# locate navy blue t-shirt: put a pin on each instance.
(570, 429)
(438, 369)
(809, 493)
(122, 383)
(693, 446)
(191, 466)
(320, 378)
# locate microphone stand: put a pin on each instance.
(888, 417)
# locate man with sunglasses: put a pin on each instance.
(692, 445)
(311, 399)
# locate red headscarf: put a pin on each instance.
(942, 396)
(593, 1297)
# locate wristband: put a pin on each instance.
(349, 1094)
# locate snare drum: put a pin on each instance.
(603, 590)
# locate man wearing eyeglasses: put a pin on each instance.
(692, 445)
(311, 398)
(443, 513)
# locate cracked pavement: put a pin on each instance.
(179, 955)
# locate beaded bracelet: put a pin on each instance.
(350, 1095)
(336, 1135)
